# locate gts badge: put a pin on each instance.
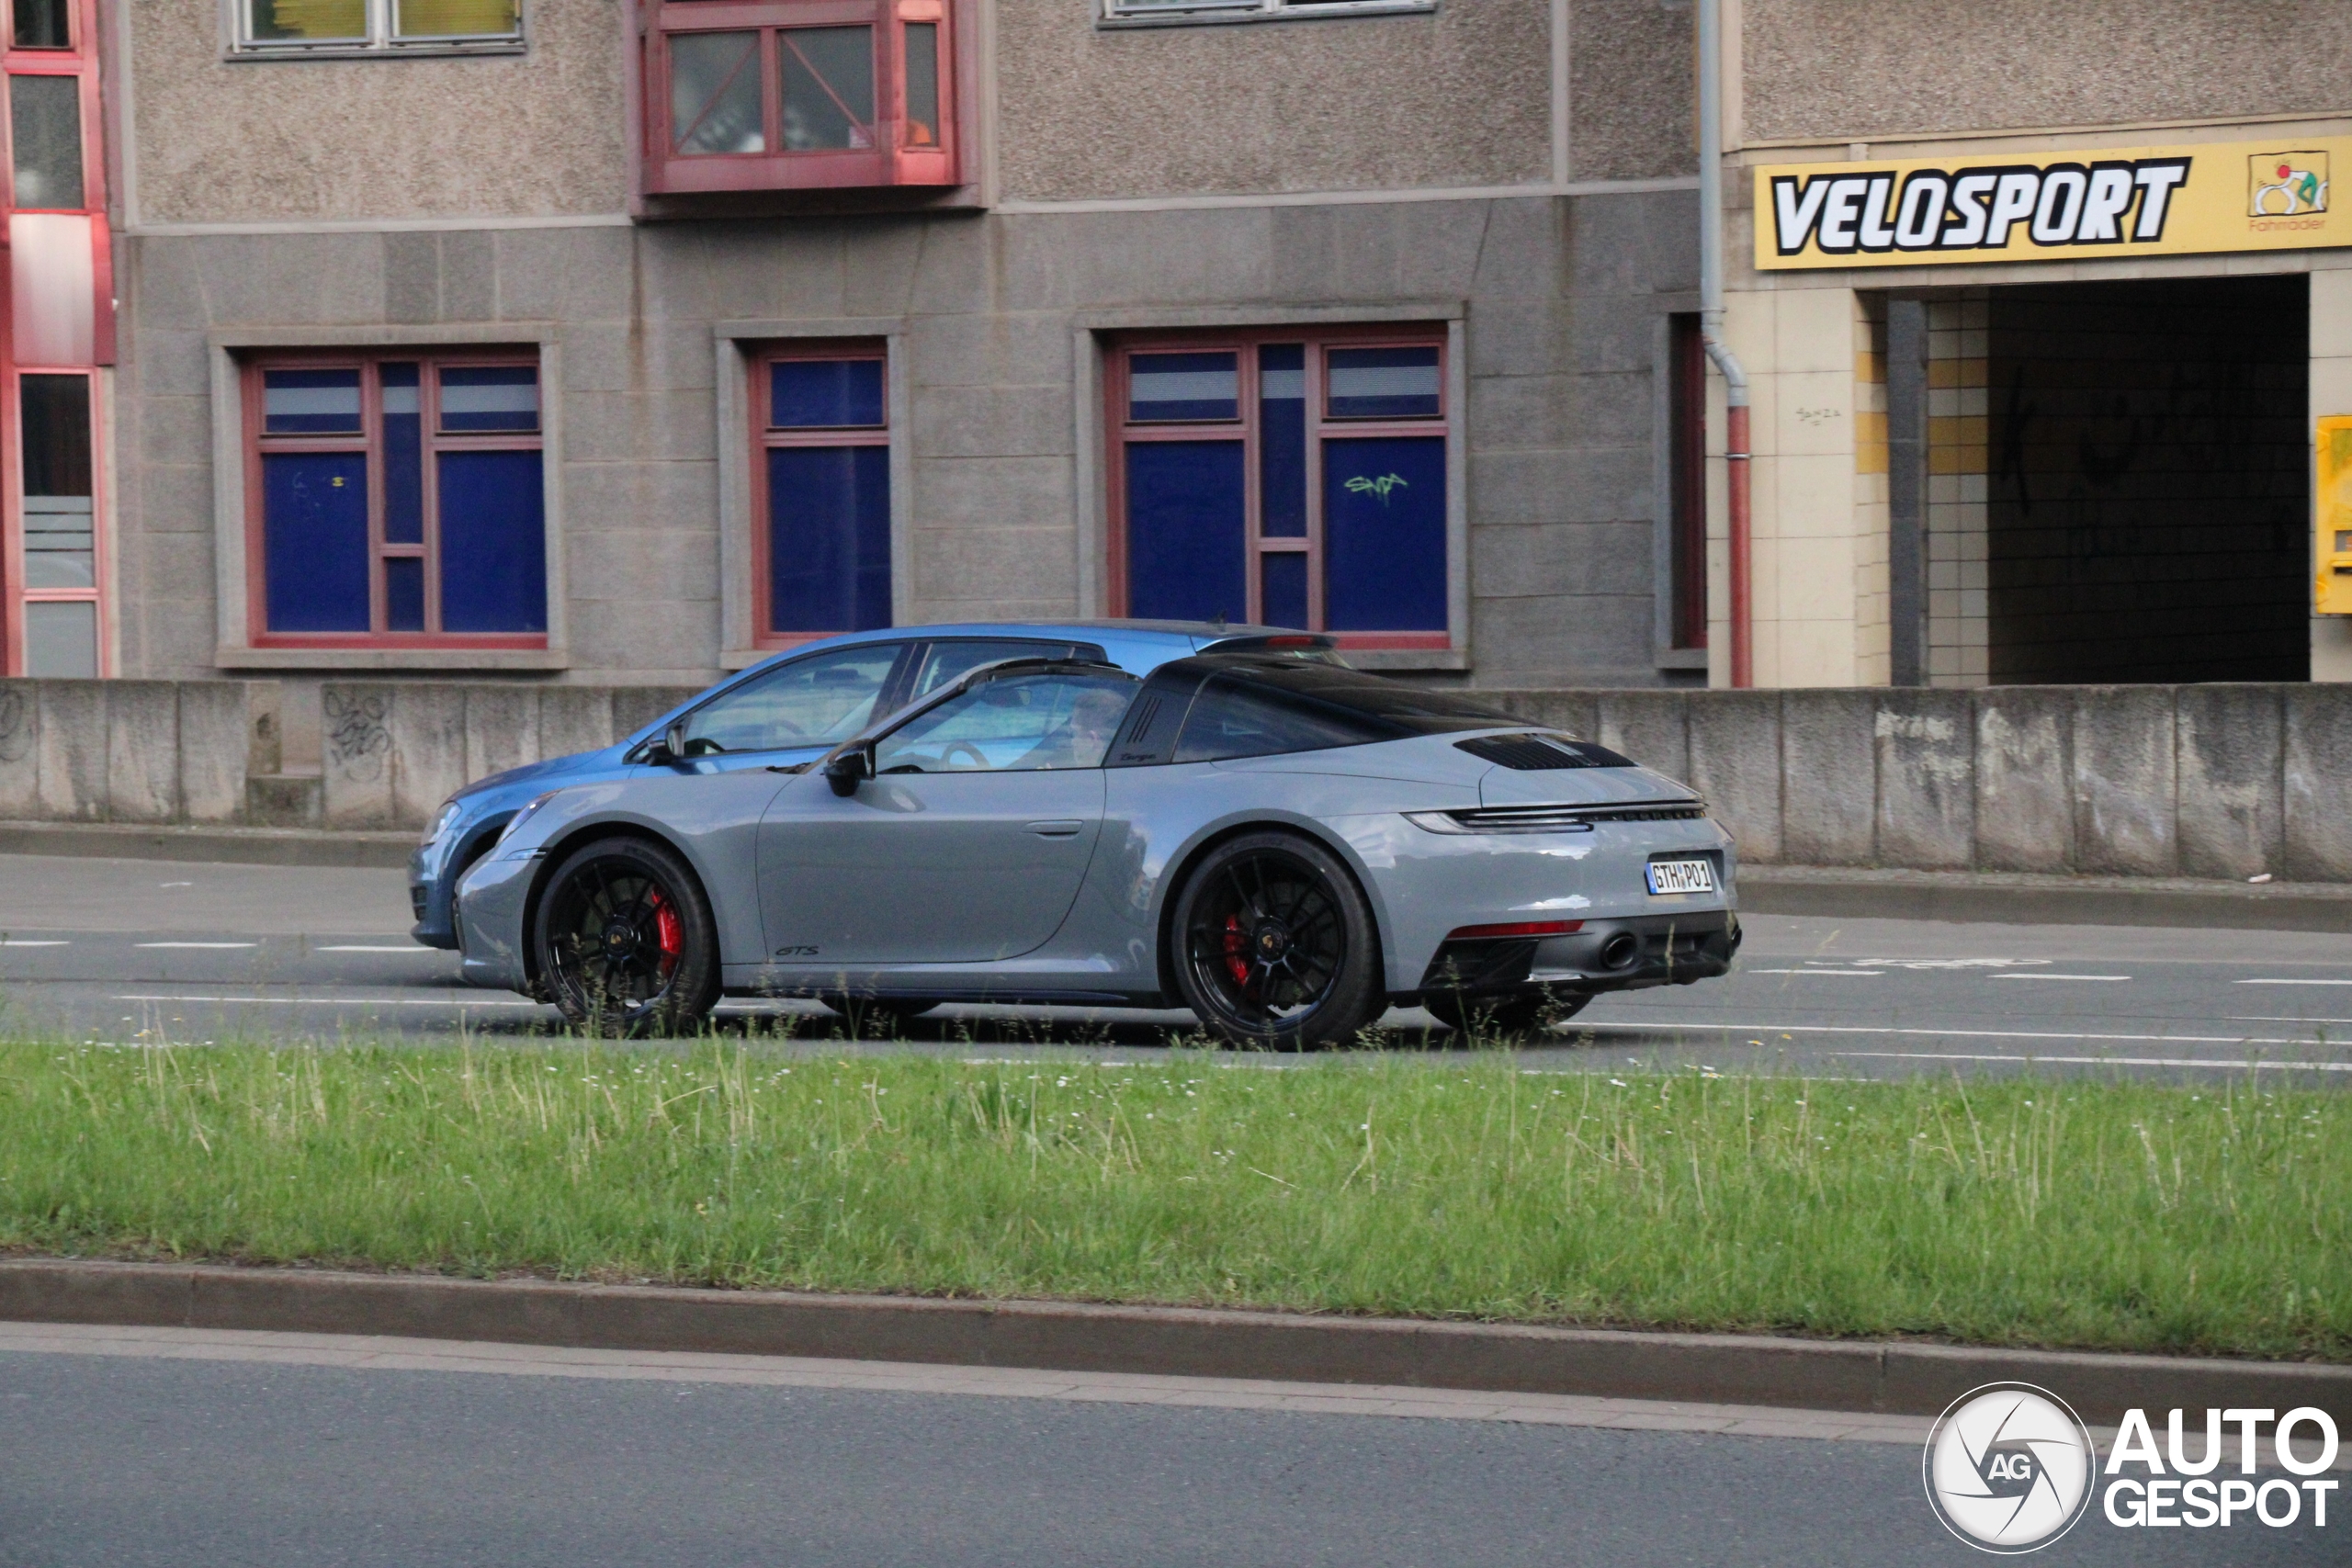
(795, 952)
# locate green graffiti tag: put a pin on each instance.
(1378, 488)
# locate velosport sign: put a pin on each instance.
(2067, 206)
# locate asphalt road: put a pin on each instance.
(136, 1458)
(124, 949)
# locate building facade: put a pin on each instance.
(624, 340)
(2047, 310)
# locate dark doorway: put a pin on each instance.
(2148, 498)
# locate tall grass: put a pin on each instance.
(2060, 1213)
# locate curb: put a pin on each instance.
(2020, 898)
(1894, 1378)
(230, 846)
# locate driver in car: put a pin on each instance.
(1080, 740)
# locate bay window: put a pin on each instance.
(396, 500)
(1284, 479)
(781, 94)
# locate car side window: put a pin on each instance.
(950, 660)
(1233, 720)
(1019, 724)
(814, 701)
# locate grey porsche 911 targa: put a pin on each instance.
(1285, 847)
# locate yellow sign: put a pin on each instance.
(2332, 592)
(2070, 206)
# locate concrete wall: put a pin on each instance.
(538, 134)
(2221, 782)
(1631, 109)
(1854, 70)
(994, 316)
(1457, 97)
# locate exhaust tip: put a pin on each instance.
(1620, 951)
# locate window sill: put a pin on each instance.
(391, 659)
(249, 55)
(1207, 18)
(1682, 659)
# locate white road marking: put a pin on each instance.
(1571, 1029)
(355, 947)
(2273, 982)
(199, 944)
(2274, 1018)
(20, 942)
(2110, 1061)
(2046, 977)
(350, 1001)
(1871, 974)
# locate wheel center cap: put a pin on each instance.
(1272, 941)
(619, 936)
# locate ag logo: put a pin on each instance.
(2008, 1468)
(2286, 185)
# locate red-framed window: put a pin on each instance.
(820, 419)
(53, 613)
(1283, 479)
(790, 95)
(396, 498)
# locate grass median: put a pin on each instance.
(2063, 1213)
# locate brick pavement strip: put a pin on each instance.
(1032, 1340)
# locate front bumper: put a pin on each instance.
(1623, 955)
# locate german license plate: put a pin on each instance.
(1682, 876)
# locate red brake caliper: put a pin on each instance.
(669, 931)
(1236, 947)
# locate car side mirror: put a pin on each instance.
(669, 748)
(848, 768)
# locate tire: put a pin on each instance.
(625, 940)
(1275, 946)
(1513, 1012)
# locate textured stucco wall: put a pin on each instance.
(1629, 91)
(1853, 69)
(540, 133)
(1459, 98)
(1561, 298)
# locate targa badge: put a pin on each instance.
(2009, 1467)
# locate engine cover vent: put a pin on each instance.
(1537, 753)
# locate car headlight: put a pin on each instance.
(443, 821)
(515, 822)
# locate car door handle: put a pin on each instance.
(1056, 829)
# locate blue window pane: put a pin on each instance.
(494, 543)
(824, 394)
(489, 397)
(314, 541)
(403, 459)
(309, 402)
(1187, 557)
(1184, 386)
(1384, 534)
(1383, 383)
(404, 593)
(1282, 442)
(829, 538)
(1282, 589)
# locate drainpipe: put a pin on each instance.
(1710, 331)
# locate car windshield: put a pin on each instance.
(808, 702)
(1014, 724)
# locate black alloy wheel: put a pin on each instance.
(1508, 1012)
(1276, 948)
(625, 940)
